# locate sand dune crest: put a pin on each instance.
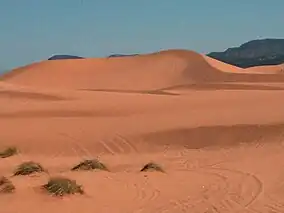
(144, 72)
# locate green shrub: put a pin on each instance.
(90, 165)
(60, 186)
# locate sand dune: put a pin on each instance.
(269, 69)
(217, 130)
(223, 66)
(143, 72)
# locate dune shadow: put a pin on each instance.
(213, 136)
(64, 114)
(28, 95)
(194, 87)
(222, 86)
(149, 92)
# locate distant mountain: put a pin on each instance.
(253, 53)
(121, 55)
(62, 57)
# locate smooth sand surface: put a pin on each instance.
(217, 134)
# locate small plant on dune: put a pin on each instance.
(8, 152)
(6, 186)
(152, 167)
(28, 168)
(90, 165)
(60, 186)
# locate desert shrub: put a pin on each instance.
(28, 168)
(90, 165)
(8, 152)
(60, 186)
(6, 186)
(152, 167)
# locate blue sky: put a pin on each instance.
(33, 30)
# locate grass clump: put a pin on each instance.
(60, 186)
(8, 152)
(28, 168)
(6, 186)
(90, 165)
(152, 167)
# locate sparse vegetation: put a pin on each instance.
(90, 165)
(28, 168)
(8, 152)
(60, 186)
(152, 167)
(6, 186)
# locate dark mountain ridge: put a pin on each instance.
(62, 57)
(253, 53)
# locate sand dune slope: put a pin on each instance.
(223, 66)
(269, 69)
(144, 72)
(217, 148)
(11, 92)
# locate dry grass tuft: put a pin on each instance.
(28, 168)
(90, 165)
(6, 186)
(152, 167)
(8, 152)
(59, 186)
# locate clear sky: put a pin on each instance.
(32, 30)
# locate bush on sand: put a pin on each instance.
(90, 165)
(28, 168)
(59, 186)
(6, 186)
(8, 152)
(152, 167)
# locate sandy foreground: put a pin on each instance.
(217, 130)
